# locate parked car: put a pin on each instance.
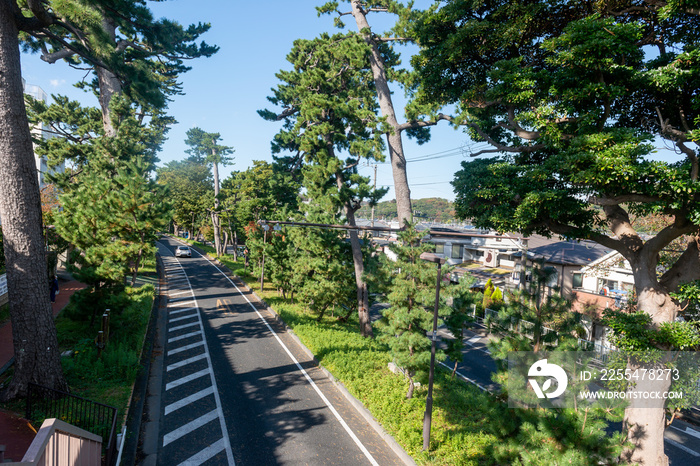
(183, 251)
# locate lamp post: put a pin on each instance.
(265, 227)
(428, 417)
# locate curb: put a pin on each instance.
(140, 389)
(357, 404)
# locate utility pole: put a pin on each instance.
(374, 189)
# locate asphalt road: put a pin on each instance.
(235, 388)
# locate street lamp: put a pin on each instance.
(265, 227)
(427, 418)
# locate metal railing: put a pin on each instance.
(601, 351)
(98, 418)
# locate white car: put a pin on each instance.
(183, 251)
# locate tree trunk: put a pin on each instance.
(109, 84)
(394, 142)
(645, 426)
(33, 331)
(215, 214)
(645, 423)
(362, 291)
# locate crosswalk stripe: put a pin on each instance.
(187, 361)
(180, 327)
(187, 378)
(187, 400)
(178, 319)
(204, 455)
(185, 348)
(189, 427)
(181, 303)
(177, 311)
(182, 337)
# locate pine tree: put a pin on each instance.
(409, 284)
(328, 108)
(205, 147)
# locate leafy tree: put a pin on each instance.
(263, 191)
(329, 107)
(190, 190)
(571, 94)
(205, 147)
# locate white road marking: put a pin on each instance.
(179, 292)
(219, 412)
(187, 378)
(178, 319)
(180, 327)
(182, 337)
(185, 348)
(337, 415)
(176, 300)
(204, 455)
(187, 400)
(178, 311)
(189, 427)
(682, 447)
(182, 303)
(473, 340)
(472, 381)
(187, 361)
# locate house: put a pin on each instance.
(486, 254)
(605, 283)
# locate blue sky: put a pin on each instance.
(222, 93)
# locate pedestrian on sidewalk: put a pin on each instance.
(53, 288)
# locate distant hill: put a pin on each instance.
(432, 208)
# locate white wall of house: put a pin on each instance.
(611, 271)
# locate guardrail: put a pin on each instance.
(92, 416)
(58, 443)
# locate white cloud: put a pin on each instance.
(57, 82)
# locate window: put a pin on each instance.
(456, 251)
(577, 281)
(439, 248)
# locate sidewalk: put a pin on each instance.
(16, 433)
